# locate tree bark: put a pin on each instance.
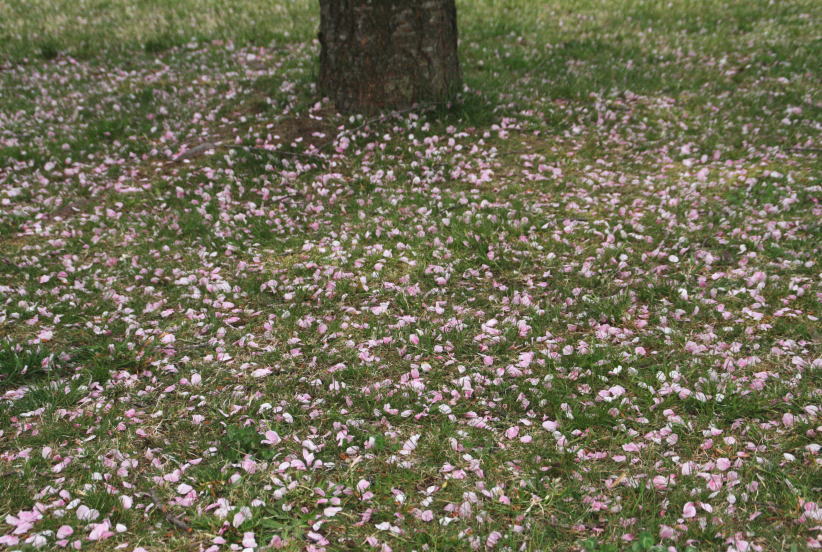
(388, 54)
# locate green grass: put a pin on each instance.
(19, 365)
(46, 29)
(625, 189)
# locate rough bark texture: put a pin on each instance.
(388, 54)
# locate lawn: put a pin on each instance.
(577, 310)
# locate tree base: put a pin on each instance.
(378, 55)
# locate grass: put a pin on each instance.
(46, 29)
(576, 311)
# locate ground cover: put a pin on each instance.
(578, 310)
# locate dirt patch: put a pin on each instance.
(69, 210)
(307, 130)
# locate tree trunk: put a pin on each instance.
(388, 54)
